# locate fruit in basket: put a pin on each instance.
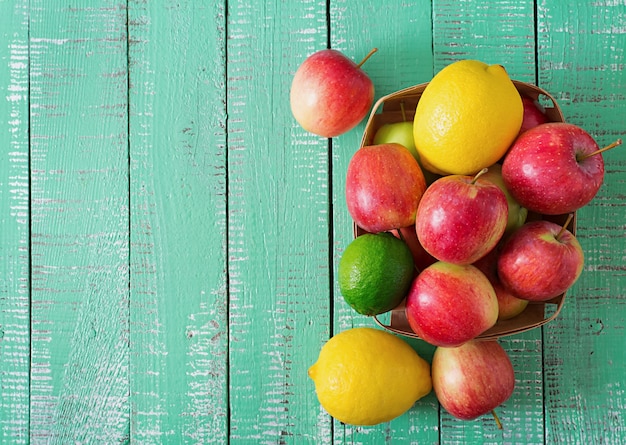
(473, 379)
(517, 214)
(384, 185)
(509, 305)
(330, 94)
(467, 117)
(534, 114)
(540, 261)
(398, 133)
(421, 258)
(450, 304)
(546, 169)
(365, 376)
(461, 218)
(375, 272)
(402, 133)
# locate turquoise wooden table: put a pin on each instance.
(170, 236)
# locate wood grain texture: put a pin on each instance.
(581, 55)
(79, 202)
(278, 223)
(402, 32)
(15, 225)
(170, 235)
(178, 176)
(499, 32)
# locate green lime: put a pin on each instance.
(375, 272)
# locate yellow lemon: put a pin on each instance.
(467, 117)
(366, 376)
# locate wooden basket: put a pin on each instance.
(388, 110)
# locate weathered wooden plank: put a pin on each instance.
(79, 202)
(581, 56)
(278, 222)
(402, 32)
(496, 32)
(15, 224)
(178, 222)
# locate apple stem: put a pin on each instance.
(403, 112)
(608, 147)
(564, 228)
(497, 419)
(367, 57)
(479, 174)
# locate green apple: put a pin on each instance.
(402, 133)
(399, 133)
(517, 213)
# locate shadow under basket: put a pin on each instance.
(388, 109)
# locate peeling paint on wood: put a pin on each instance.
(169, 235)
(278, 228)
(79, 225)
(581, 53)
(178, 307)
(15, 224)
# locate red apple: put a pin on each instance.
(449, 304)
(534, 114)
(461, 218)
(473, 379)
(509, 305)
(546, 171)
(421, 258)
(540, 261)
(330, 94)
(384, 185)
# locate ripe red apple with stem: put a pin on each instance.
(473, 379)
(540, 261)
(461, 218)
(384, 185)
(449, 304)
(554, 168)
(330, 94)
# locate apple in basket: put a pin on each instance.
(540, 261)
(460, 218)
(450, 304)
(384, 185)
(534, 114)
(509, 305)
(554, 168)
